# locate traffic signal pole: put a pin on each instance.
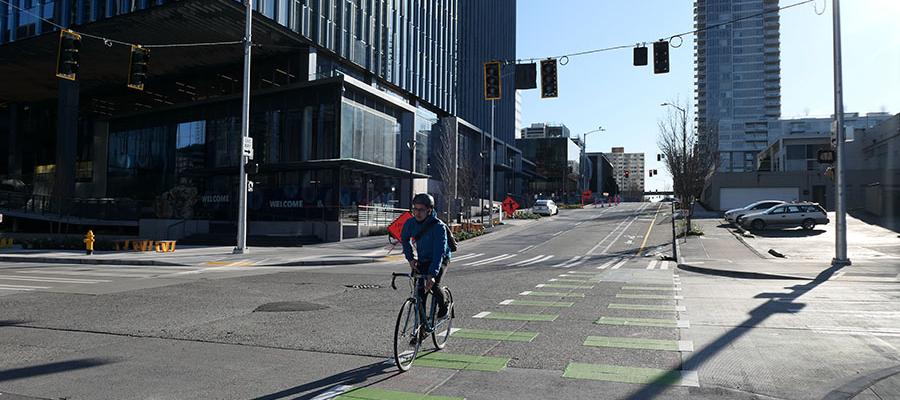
(241, 247)
(491, 188)
(840, 212)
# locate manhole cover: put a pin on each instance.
(289, 306)
(363, 286)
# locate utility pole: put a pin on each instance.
(241, 247)
(840, 245)
(491, 194)
(412, 167)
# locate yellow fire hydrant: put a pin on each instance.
(89, 242)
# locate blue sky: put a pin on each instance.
(604, 89)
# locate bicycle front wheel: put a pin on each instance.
(442, 326)
(406, 343)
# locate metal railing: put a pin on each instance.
(378, 216)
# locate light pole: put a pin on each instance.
(840, 209)
(481, 186)
(241, 247)
(493, 153)
(411, 144)
(584, 181)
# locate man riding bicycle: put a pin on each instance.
(433, 252)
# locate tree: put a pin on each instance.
(443, 163)
(690, 162)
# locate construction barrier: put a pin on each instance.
(160, 246)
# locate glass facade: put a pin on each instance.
(369, 135)
(558, 160)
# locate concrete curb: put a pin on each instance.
(90, 261)
(740, 238)
(738, 274)
(858, 385)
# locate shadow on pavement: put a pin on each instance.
(778, 303)
(12, 322)
(789, 233)
(349, 377)
(51, 368)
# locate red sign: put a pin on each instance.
(396, 227)
(510, 206)
(587, 193)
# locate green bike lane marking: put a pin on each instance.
(516, 317)
(440, 359)
(664, 323)
(638, 343)
(536, 303)
(649, 296)
(550, 294)
(645, 307)
(657, 288)
(614, 373)
(369, 393)
(563, 286)
(508, 336)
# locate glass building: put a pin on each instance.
(738, 75)
(339, 90)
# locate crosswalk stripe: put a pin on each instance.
(576, 263)
(22, 287)
(44, 279)
(504, 258)
(525, 262)
(620, 263)
(537, 261)
(652, 264)
(487, 260)
(573, 259)
(664, 265)
(607, 264)
(467, 256)
(92, 273)
(526, 249)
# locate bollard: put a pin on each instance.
(89, 242)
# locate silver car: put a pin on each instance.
(788, 215)
(735, 214)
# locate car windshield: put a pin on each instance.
(541, 203)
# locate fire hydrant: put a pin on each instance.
(89, 242)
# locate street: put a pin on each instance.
(574, 306)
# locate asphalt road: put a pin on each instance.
(568, 307)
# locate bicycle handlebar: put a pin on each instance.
(396, 274)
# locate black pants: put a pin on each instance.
(435, 289)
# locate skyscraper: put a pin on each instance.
(738, 74)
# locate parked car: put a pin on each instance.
(788, 215)
(734, 214)
(545, 207)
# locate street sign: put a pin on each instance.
(396, 227)
(825, 156)
(510, 206)
(587, 193)
(248, 147)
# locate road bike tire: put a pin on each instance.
(442, 327)
(404, 331)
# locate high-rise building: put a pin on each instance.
(738, 73)
(628, 172)
(541, 130)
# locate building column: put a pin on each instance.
(66, 142)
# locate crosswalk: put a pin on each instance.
(555, 261)
(50, 278)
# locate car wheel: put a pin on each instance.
(808, 224)
(758, 225)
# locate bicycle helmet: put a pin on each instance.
(424, 199)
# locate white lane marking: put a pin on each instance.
(22, 287)
(486, 260)
(600, 243)
(525, 249)
(652, 264)
(540, 285)
(506, 302)
(482, 314)
(335, 391)
(620, 263)
(525, 293)
(537, 261)
(683, 323)
(607, 264)
(664, 265)
(46, 279)
(575, 264)
(467, 256)
(573, 259)
(678, 297)
(690, 378)
(837, 275)
(558, 233)
(629, 241)
(680, 308)
(454, 330)
(90, 273)
(606, 250)
(685, 345)
(524, 262)
(504, 258)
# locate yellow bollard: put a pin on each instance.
(89, 242)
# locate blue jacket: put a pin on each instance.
(431, 247)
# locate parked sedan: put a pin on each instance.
(545, 207)
(735, 214)
(788, 215)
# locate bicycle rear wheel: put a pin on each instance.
(442, 326)
(406, 344)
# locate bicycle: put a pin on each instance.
(406, 330)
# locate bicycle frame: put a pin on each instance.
(421, 313)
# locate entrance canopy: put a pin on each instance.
(28, 66)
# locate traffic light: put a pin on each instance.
(659, 157)
(492, 87)
(67, 56)
(526, 76)
(137, 70)
(548, 78)
(650, 173)
(640, 56)
(661, 57)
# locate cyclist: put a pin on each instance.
(432, 249)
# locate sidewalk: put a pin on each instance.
(722, 251)
(351, 251)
